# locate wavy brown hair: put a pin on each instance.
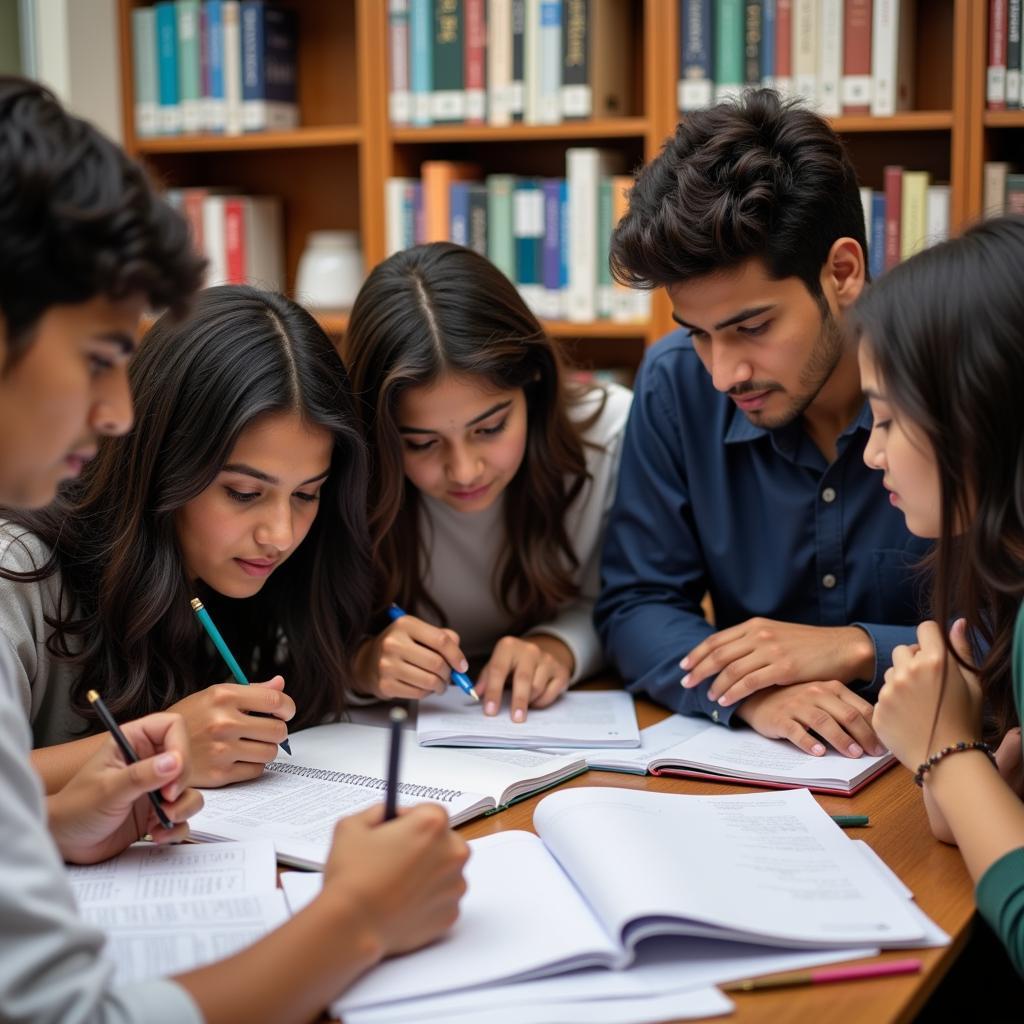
(123, 612)
(438, 309)
(944, 329)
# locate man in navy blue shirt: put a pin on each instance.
(742, 474)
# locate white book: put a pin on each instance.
(499, 61)
(215, 241)
(394, 214)
(264, 243)
(549, 88)
(584, 168)
(937, 214)
(605, 718)
(892, 53)
(337, 770)
(805, 51)
(867, 203)
(531, 62)
(609, 868)
(232, 68)
(830, 57)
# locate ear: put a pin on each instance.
(842, 276)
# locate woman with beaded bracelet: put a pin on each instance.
(942, 364)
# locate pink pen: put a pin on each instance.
(854, 972)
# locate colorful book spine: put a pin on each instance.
(1015, 194)
(577, 98)
(232, 67)
(398, 225)
(549, 70)
(399, 94)
(499, 62)
(729, 49)
(421, 59)
(458, 200)
(478, 218)
(517, 86)
(876, 242)
(893, 181)
(768, 12)
(752, 31)
(528, 233)
(830, 57)
(1013, 55)
(144, 72)
(784, 47)
(167, 68)
(564, 243)
(189, 80)
(234, 240)
(204, 64)
(501, 250)
(805, 50)
(995, 82)
(448, 98)
(914, 213)
(476, 61)
(696, 58)
(856, 85)
(216, 95)
(604, 239)
(437, 177)
(269, 41)
(551, 256)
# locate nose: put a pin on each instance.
(463, 465)
(728, 368)
(112, 412)
(874, 455)
(275, 528)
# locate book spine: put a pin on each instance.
(893, 179)
(234, 240)
(421, 53)
(913, 213)
(883, 58)
(550, 89)
(418, 213)
(395, 215)
(528, 232)
(476, 61)
(729, 48)
(499, 61)
(192, 200)
(583, 171)
(696, 68)
(994, 202)
(517, 87)
(399, 95)
(564, 244)
(857, 57)
(213, 241)
(768, 44)
(830, 57)
(458, 225)
(500, 243)
(262, 245)
(1014, 194)
(216, 104)
(995, 82)
(551, 257)
(624, 308)
(232, 67)
(805, 50)
(1013, 54)
(876, 245)
(204, 66)
(577, 95)
(167, 68)
(280, 46)
(604, 237)
(448, 99)
(189, 93)
(752, 15)
(478, 218)
(144, 72)
(254, 108)
(531, 62)
(937, 223)
(437, 177)
(784, 47)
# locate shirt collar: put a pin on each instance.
(741, 429)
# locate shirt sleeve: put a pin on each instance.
(885, 638)
(653, 575)
(1000, 897)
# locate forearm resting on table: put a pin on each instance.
(57, 764)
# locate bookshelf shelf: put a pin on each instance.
(596, 329)
(297, 138)
(911, 121)
(605, 128)
(1003, 119)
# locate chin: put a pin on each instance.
(235, 588)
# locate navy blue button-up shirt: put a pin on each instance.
(708, 502)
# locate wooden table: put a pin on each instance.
(899, 834)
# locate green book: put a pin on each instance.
(730, 49)
(604, 245)
(501, 245)
(448, 97)
(190, 90)
(147, 98)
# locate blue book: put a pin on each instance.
(696, 87)
(421, 59)
(269, 45)
(170, 114)
(876, 244)
(768, 43)
(563, 249)
(528, 232)
(551, 258)
(216, 104)
(458, 212)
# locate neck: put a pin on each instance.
(836, 405)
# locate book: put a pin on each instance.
(549, 64)
(937, 215)
(995, 79)
(697, 748)
(610, 868)
(189, 81)
(448, 98)
(830, 58)
(805, 50)
(994, 188)
(437, 177)
(338, 769)
(253, 242)
(552, 304)
(232, 67)
(783, 81)
(876, 243)
(501, 250)
(893, 178)
(604, 239)
(856, 82)
(215, 97)
(629, 305)
(604, 718)
(477, 218)
(1013, 55)
(399, 230)
(768, 9)
(517, 85)
(696, 88)
(528, 232)
(729, 48)
(499, 62)
(170, 114)
(597, 70)
(753, 13)
(458, 199)
(892, 57)
(269, 42)
(913, 212)
(399, 96)
(144, 72)
(421, 59)
(475, 60)
(1015, 193)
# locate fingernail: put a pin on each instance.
(855, 749)
(682, 682)
(685, 663)
(817, 750)
(518, 715)
(879, 750)
(490, 708)
(463, 665)
(686, 678)
(725, 700)
(166, 763)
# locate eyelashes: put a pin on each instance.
(244, 497)
(484, 432)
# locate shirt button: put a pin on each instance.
(828, 495)
(828, 581)
(714, 714)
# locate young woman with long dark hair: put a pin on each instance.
(942, 364)
(243, 483)
(490, 483)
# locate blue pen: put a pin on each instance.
(460, 679)
(225, 652)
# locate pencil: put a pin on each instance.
(397, 717)
(126, 748)
(225, 652)
(854, 972)
(460, 679)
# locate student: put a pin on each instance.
(943, 367)
(741, 468)
(85, 245)
(490, 485)
(244, 485)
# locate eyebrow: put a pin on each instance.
(258, 474)
(872, 393)
(743, 314)
(123, 341)
(499, 407)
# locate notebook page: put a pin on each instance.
(662, 740)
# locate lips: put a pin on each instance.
(751, 399)
(476, 492)
(257, 566)
(77, 461)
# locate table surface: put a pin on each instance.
(898, 832)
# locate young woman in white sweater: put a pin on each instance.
(491, 479)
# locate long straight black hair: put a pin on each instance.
(124, 615)
(946, 330)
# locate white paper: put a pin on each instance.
(882, 868)
(604, 718)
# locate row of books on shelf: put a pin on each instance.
(841, 57)
(1003, 82)
(907, 215)
(1003, 189)
(504, 61)
(550, 236)
(241, 236)
(221, 66)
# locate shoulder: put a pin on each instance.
(604, 409)
(20, 549)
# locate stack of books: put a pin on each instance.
(219, 66)
(1003, 80)
(841, 57)
(505, 61)
(550, 236)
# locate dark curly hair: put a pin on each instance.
(78, 218)
(757, 178)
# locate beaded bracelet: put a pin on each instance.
(932, 761)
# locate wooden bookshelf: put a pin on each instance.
(330, 173)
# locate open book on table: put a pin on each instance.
(340, 769)
(698, 748)
(612, 867)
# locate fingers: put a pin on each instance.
(723, 649)
(444, 642)
(163, 732)
(495, 673)
(416, 659)
(263, 698)
(178, 811)
(523, 675)
(842, 719)
(747, 676)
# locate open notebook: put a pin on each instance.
(340, 769)
(612, 867)
(697, 748)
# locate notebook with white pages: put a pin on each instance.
(698, 748)
(611, 868)
(340, 769)
(601, 718)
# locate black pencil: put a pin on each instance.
(397, 717)
(126, 748)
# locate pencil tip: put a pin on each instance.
(475, 696)
(196, 604)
